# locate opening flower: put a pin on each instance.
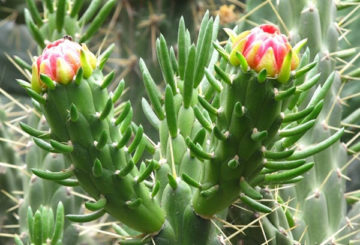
(264, 47)
(60, 61)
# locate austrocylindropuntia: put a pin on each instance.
(226, 125)
(79, 111)
(322, 191)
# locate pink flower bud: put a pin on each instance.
(264, 47)
(60, 61)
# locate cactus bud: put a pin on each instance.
(264, 47)
(60, 61)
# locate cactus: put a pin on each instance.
(62, 18)
(44, 226)
(322, 190)
(10, 175)
(234, 122)
(22, 190)
(211, 132)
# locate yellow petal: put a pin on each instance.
(285, 69)
(35, 81)
(268, 62)
(85, 64)
(239, 37)
(90, 56)
(64, 72)
(250, 56)
(239, 48)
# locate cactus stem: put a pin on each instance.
(243, 63)
(124, 113)
(197, 151)
(280, 95)
(233, 163)
(60, 147)
(318, 147)
(285, 70)
(222, 74)
(134, 203)
(125, 138)
(284, 164)
(86, 217)
(35, 96)
(220, 135)
(73, 113)
(68, 182)
(297, 115)
(299, 46)
(97, 168)
(34, 132)
(139, 151)
(137, 139)
(102, 141)
(278, 155)
(239, 109)
(300, 72)
(212, 80)
(65, 174)
(221, 51)
(262, 76)
(210, 191)
(146, 173)
(190, 181)
(94, 206)
(299, 129)
(258, 136)
(127, 121)
(202, 120)
(172, 181)
(79, 76)
(248, 190)
(22, 63)
(44, 145)
(106, 110)
(118, 91)
(23, 83)
(59, 225)
(155, 189)
(123, 172)
(308, 84)
(48, 81)
(107, 80)
(254, 204)
(170, 112)
(289, 174)
(207, 106)
(105, 56)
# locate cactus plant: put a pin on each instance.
(44, 227)
(211, 132)
(234, 122)
(322, 191)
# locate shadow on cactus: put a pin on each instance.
(228, 122)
